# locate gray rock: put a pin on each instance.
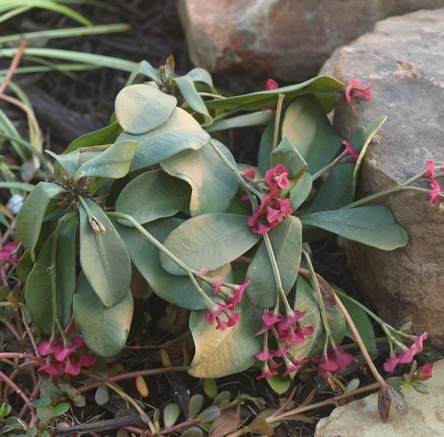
(404, 59)
(283, 39)
(361, 418)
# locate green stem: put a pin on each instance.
(235, 171)
(398, 188)
(190, 272)
(315, 283)
(53, 267)
(361, 345)
(276, 273)
(327, 168)
(277, 120)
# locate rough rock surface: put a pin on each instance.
(283, 39)
(425, 416)
(404, 59)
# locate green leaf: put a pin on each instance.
(152, 195)
(208, 241)
(213, 183)
(43, 4)
(142, 107)
(105, 329)
(103, 257)
(31, 214)
(360, 319)
(361, 139)
(180, 132)
(371, 225)
(280, 384)
(268, 99)
(286, 240)
(61, 408)
(265, 147)
(244, 120)
(286, 154)
(177, 290)
(192, 97)
(306, 301)
(106, 135)
(300, 192)
(311, 133)
(201, 75)
(113, 163)
(216, 349)
(38, 294)
(147, 70)
(171, 413)
(336, 191)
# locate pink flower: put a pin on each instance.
(213, 314)
(71, 367)
(264, 355)
(8, 252)
(425, 372)
(418, 340)
(202, 272)
(430, 171)
(294, 365)
(271, 85)
(217, 285)
(66, 358)
(251, 174)
(47, 347)
(267, 371)
(63, 351)
(350, 150)
(290, 319)
(295, 335)
(434, 191)
(274, 209)
(236, 297)
(232, 319)
(391, 362)
(282, 349)
(52, 367)
(354, 90)
(335, 360)
(405, 356)
(277, 177)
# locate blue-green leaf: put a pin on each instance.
(208, 241)
(371, 225)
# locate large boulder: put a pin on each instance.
(283, 39)
(404, 59)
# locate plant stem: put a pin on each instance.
(276, 273)
(358, 338)
(190, 272)
(235, 171)
(402, 187)
(277, 120)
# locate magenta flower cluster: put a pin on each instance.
(406, 354)
(64, 357)
(287, 330)
(435, 189)
(214, 313)
(335, 360)
(354, 90)
(273, 208)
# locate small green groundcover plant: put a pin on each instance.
(158, 191)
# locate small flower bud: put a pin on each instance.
(97, 227)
